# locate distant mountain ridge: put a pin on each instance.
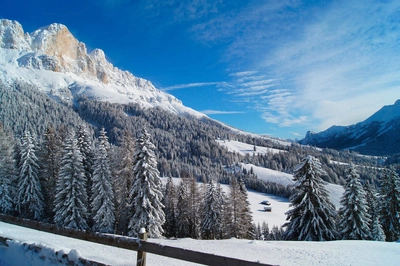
(377, 135)
(52, 59)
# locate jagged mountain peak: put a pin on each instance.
(12, 35)
(55, 61)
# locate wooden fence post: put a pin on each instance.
(141, 255)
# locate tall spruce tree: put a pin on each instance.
(146, 195)
(354, 219)
(182, 212)
(234, 201)
(124, 180)
(102, 201)
(169, 202)
(375, 226)
(194, 206)
(246, 218)
(390, 204)
(8, 171)
(84, 144)
(50, 163)
(312, 216)
(71, 200)
(211, 225)
(30, 202)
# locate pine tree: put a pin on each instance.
(102, 202)
(7, 172)
(211, 226)
(312, 217)
(354, 217)
(30, 202)
(84, 144)
(194, 207)
(70, 204)
(146, 194)
(376, 229)
(50, 162)
(124, 180)
(265, 231)
(170, 209)
(182, 213)
(236, 208)
(390, 208)
(246, 218)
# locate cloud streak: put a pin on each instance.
(218, 112)
(330, 63)
(194, 85)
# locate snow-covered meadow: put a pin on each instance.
(268, 252)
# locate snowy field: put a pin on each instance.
(244, 148)
(268, 252)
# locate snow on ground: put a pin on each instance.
(271, 252)
(244, 148)
(268, 175)
(279, 205)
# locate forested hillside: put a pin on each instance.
(184, 145)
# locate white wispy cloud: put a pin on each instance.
(194, 85)
(346, 56)
(332, 63)
(218, 112)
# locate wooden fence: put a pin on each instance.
(137, 244)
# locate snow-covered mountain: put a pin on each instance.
(377, 135)
(53, 60)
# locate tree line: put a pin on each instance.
(71, 181)
(74, 182)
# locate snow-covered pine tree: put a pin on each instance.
(124, 179)
(312, 216)
(146, 195)
(49, 167)
(169, 202)
(30, 202)
(8, 172)
(234, 225)
(102, 201)
(390, 204)
(211, 225)
(375, 226)
(246, 218)
(265, 231)
(354, 219)
(227, 216)
(70, 204)
(194, 206)
(182, 212)
(85, 145)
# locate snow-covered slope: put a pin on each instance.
(377, 135)
(55, 62)
(272, 176)
(349, 252)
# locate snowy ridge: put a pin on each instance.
(54, 61)
(377, 135)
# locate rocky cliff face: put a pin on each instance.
(32, 56)
(54, 48)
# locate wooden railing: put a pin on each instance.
(137, 244)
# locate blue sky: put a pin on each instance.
(269, 67)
